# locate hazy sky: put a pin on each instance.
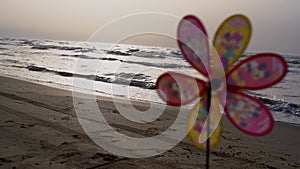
(275, 22)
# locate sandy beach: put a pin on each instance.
(39, 129)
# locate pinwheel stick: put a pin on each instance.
(207, 122)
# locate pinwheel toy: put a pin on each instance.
(256, 72)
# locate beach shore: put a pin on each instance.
(39, 129)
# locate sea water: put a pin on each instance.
(126, 71)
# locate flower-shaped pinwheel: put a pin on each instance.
(257, 72)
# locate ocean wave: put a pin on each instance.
(280, 106)
(9, 60)
(38, 44)
(149, 64)
(293, 71)
(68, 48)
(78, 56)
(90, 57)
(151, 54)
(136, 80)
(119, 52)
(25, 42)
(158, 65)
(294, 61)
(288, 109)
(3, 43)
(154, 54)
(7, 54)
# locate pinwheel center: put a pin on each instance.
(215, 84)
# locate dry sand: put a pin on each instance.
(39, 129)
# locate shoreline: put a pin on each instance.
(39, 129)
(108, 96)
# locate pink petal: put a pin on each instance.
(193, 43)
(178, 89)
(257, 72)
(248, 114)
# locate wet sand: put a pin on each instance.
(39, 129)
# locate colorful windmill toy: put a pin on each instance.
(245, 112)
